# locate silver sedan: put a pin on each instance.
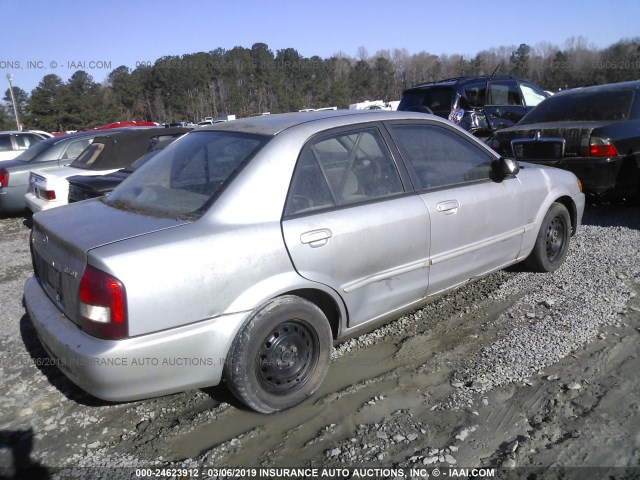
(245, 249)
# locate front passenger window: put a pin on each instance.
(504, 93)
(440, 157)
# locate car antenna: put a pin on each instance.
(488, 92)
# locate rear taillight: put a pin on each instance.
(103, 305)
(4, 178)
(49, 194)
(598, 147)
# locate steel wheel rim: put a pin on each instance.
(556, 234)
(287, 357)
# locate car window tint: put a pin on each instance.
(5, 143)
(532, 96)
(342, 169)
(436, 99)
(441, 157)
(504, 93)
(76, 148)
(475, 94)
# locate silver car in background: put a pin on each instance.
(245, 249)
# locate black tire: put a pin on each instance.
(280, 356)
(552, 243)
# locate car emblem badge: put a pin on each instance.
(536, 136)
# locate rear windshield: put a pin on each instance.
(37, 149)
(436, 99)
(582, 107)
(88, 156)
(182, 179)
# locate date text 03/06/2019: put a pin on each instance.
(259, 473)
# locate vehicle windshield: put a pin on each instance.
(613, 105)
(184, 178)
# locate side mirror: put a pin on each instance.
(504, 167)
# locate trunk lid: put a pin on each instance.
(545, 142)
(62, 237)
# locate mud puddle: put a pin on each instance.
(362, 387)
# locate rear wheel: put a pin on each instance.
(280, 356)
(552, 242)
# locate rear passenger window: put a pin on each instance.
(475, 94)
(342, 169)
(440, 157)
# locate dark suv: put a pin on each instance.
(479, 104)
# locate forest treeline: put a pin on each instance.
(247, 81)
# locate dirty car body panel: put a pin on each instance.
(327, 214)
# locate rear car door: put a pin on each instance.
(477, 224)
(350, 225)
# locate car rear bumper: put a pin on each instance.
(36, 204)
(151, 365)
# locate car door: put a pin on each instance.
(477, 222)
(504, 107)
(350, 225)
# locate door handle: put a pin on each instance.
(316, 238)
(449, 207)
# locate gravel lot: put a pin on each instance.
(517, 371)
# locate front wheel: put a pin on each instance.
(552, 242)
(280, 356)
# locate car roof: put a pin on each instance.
(20, 132)
(125, 146)
(465, 79)
(134, 132)
(277, 123)
(68, 136)
(608, 87)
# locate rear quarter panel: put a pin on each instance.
(194, 272)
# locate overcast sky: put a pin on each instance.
(39, 37)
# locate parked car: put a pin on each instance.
(479, 104)
(46, 154)
(13, 143)
(107, 153)
(243, 250)
(593, 132)
(92, 186)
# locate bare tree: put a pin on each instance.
(362, 53)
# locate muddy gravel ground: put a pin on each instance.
(535, 375)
